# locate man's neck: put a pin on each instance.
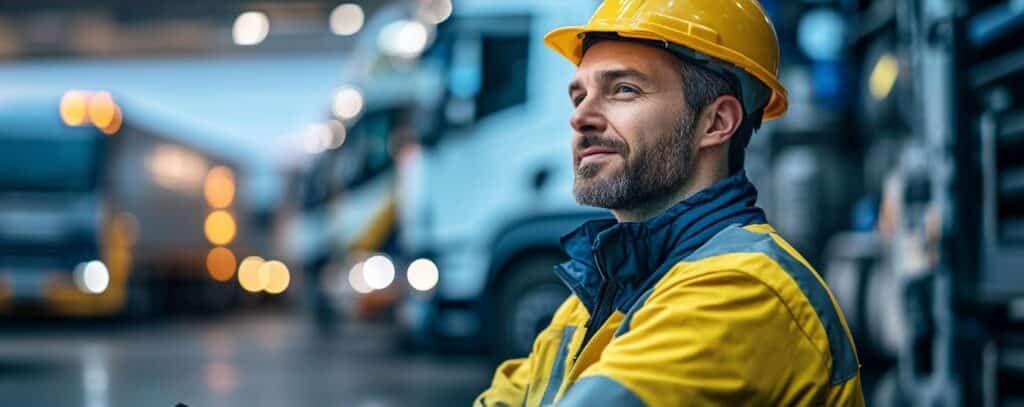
(700, 181)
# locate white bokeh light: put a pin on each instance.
(92, 277)
(422, 274)
(347, 19)
(436, 11)
(357, 280)
(348, 103)
(404, 38)
(379, 272)
(250, 28)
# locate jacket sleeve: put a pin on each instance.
(508, 387)
(717, 338)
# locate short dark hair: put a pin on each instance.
(702, 87)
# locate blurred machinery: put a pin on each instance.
(105, 210)
(931, 276)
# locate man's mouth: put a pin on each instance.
(595, 153)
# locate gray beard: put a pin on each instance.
(646, 176)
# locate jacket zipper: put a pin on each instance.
(605, 297)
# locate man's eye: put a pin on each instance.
(626, 88)
(576, 100)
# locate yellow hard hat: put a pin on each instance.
(735, 32)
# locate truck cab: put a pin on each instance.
(490, 192)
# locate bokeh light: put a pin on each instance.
(347, 19)
(102, 109)
(115, 123)
(250, 274)
(404, 38)
(277, 276)
(348, 103)
(220, 263)
(338, 133)
(357, 280)
(250, 28)
(422, 274)
(219, 187)
(74, 107)
(435, 11)
(220, 227)
(883, 76)
(92, 277)
(379, 272)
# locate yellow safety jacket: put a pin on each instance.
(702, 305)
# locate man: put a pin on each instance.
(687, 297)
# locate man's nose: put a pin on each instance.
(588, 117)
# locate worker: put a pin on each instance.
(687, 296)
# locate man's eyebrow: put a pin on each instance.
(611, 75)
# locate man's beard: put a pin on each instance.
(646, 176)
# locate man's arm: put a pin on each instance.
(717, 338)
(508, 387)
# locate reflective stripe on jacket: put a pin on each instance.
(702, 305)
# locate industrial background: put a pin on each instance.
(312, 202)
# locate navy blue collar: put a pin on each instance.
(635, 255)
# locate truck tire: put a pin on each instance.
(527, 297)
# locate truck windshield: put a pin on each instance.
(48, 163)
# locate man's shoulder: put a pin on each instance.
(758, 253)
(756, 250)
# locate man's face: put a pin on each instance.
(633, 135)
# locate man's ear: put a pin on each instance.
(721, 120)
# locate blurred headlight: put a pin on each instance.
(92, 277)
(422, 274)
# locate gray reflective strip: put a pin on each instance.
(558, 369)
(624, 327)
(599, 391)
(735, 239)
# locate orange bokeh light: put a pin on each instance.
(115, 123)
(73, 107)
(102, 109)
(221, 262)
(219, 187)
(220, 227)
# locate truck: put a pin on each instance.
(347, 191)
(107, 208)
(488, 195)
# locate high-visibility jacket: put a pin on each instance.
(704, 304)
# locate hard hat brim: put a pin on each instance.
(568, 42)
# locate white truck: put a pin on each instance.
(490, 193)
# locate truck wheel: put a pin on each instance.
(527, 299)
